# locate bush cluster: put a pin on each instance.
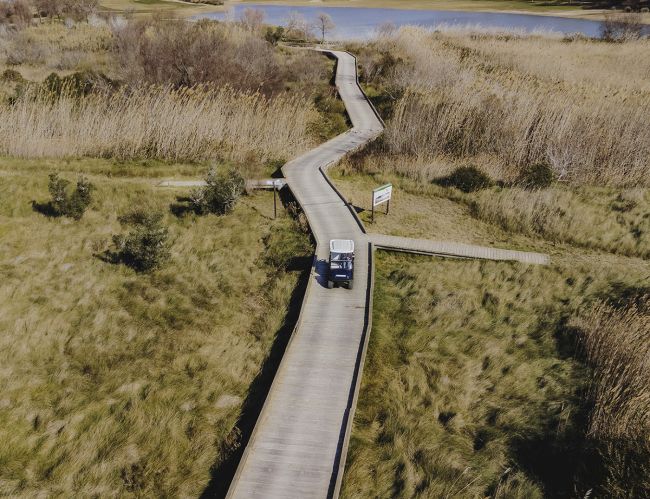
(73, 204)
(77, 84)
(146, 246)
(17, 13)
(77, 10)
(220, 194)
(537, 176)
(467, 179)
(188, 54)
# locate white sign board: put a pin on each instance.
(382, 194)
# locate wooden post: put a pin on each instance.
(387, 206)
(275, 203)
(372, 203)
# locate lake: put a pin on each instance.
(361, 23)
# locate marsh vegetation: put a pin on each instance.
(121, 382)
(502, 380)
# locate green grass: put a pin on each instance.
(118, 383)
(473, 386)
(611, 220)
(469, 388)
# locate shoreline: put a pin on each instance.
(185, 9)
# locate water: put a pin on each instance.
(360, 23)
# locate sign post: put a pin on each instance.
(381, 195)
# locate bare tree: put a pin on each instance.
(15, 12)
(252, 19)
(296, 26)
(324, 25)
(386, 30)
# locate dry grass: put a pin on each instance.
(603, 219)
(616, 343)
(154, 122)
(119, 384)
(41, 49)
(432, 419)
(580, 106)
(469, 388)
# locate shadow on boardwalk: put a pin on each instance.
(223, 473)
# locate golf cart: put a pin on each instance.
(341, 264)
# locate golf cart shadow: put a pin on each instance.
(322, 270)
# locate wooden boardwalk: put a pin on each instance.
(297, 446)
(456, 250)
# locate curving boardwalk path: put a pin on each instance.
(298, 446)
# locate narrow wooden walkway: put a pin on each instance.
(456, 250)
(298, 446)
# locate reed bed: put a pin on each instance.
(612, 223)
(616, 343)
(191, 124)
(464, 94)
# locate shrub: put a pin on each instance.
(146, 247)
(537, 176)
(274, 35)
(11, 75)
(15, 12)
(467, 179)
(71, 205)
(76, 84)
(220, 195)
(621, 27)
(77, 10)
(188, 54)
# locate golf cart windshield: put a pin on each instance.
(341, 261)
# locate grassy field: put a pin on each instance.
(473, 385)
(470, 388)
(116, 383)
(612, 220)
(495, 379)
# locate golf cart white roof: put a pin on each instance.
(342, 246)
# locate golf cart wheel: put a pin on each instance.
(350, 285)
(330, 284)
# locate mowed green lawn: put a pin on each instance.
(114, 383)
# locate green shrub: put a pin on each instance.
(71, 205)
(274, 35)
(467, 179)
(11, 75)
(146, 246)
(76, 84)
(537, 176)
(221, 192)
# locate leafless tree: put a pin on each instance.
(187, 54)
(324, 25)
(296, 26)
(621, 27)
(386, 30)
(252, 19)
(77, 10)
(16, 12)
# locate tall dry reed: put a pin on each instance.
(191, 124)
(617, 346)
(466, 94)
